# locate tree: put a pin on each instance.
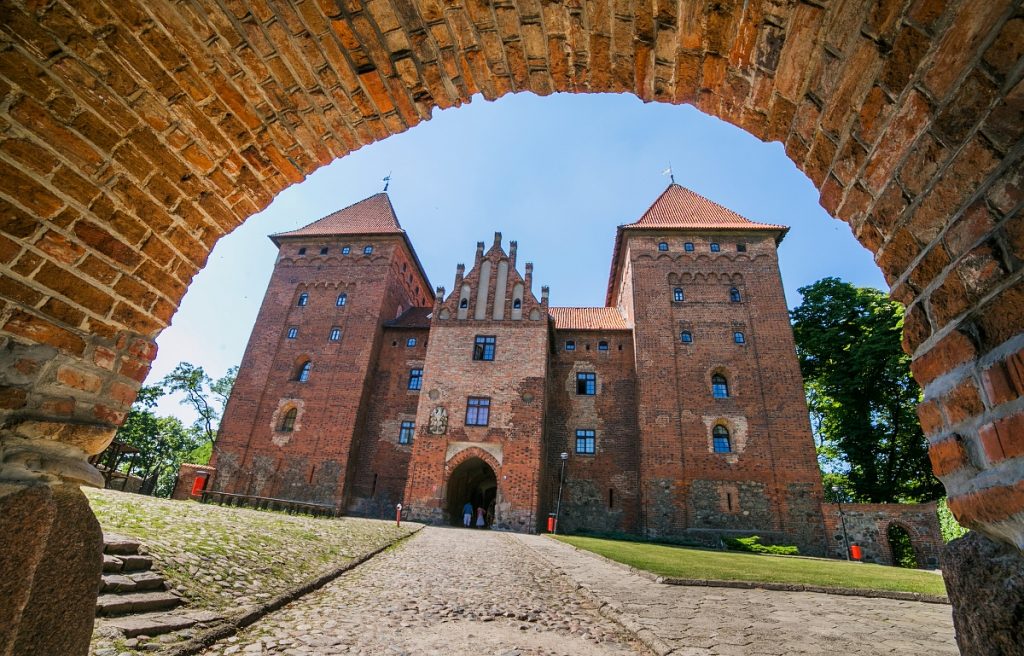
(861, 395)
(208, 397)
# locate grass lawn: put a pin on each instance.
(688, 563)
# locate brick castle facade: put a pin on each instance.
(679, 404)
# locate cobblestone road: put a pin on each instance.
(451, 591)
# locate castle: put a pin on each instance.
(677, 409)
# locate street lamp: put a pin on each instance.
(842, 519)
(561, 480)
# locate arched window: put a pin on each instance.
(719, 387)
(686, 337)
(303, 373)
(677, 294)
(720, 438)
(517, 304)
(464, 303)
(288, 421)
(739, 337)
(303, 299)
(663, 246)
(734, 295)
(602, 346)
(342, 300)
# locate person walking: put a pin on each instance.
(480, 521)
(467, 514)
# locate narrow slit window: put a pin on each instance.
(585, 442)
(611, 498)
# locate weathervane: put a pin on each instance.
(669, 173)
(387, 180)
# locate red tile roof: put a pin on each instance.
(371, 216)
(678, 207)
(587, 318)
(415, 317)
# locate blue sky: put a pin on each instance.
(557, 174)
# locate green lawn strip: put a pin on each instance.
(688, 563)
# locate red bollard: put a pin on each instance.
(398, 515)
(551, 523)
(855, 552)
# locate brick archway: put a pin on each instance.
(133, 135)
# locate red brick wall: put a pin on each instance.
(867, 526)
(187, 475)
(312, 462)
(770, 483)
(600, 492)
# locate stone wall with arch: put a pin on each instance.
(133, 135)
(867, 526)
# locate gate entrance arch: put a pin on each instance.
(472, 481)
(133, 135)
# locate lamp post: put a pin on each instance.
(561, 480)
(842, 519)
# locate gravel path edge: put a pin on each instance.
(231, 625)
(765, 585)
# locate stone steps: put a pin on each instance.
(127, 603)
(129, 586)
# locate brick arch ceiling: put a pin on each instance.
(133, 135)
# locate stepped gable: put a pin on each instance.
(679, 208)
(415, 317)
(374, 215)
(587, 318)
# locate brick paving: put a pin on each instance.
(450, 591)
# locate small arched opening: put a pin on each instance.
(901, 547)
(474, 482)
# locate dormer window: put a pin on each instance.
(663, 246)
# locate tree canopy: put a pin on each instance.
(861, 395)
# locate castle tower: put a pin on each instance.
(724, 435)
(480, 419)
(299, 403)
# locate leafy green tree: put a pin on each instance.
(861, 395)
(207, 397)
(950, 528)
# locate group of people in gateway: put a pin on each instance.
(481, 521)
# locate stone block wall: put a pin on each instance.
(867, 526)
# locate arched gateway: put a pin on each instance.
(133, 135)
(474, 482)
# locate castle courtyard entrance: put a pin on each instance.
(473, 481)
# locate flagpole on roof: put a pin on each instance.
(669, 173)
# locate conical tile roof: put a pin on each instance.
(678, 207)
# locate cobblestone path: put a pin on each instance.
(445, 591)
(451, 591)
(696, 621)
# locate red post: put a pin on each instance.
(855, 552)
(198, 484)
(398, 515)
(551, 523)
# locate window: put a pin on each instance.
(720, 439)
(406, 432)
(367, 250)
(415, 379)
(478, 411)
(719, 387)
(663, 246)
(335, 334)
(411, 342)
(345, 250)
(715, 247)
(303, 374)
(586, 383)
(686, 337)
(602, 346)
(288, 421)
(323, 251)
(342, 300)
(741, 248)
(688, 247)
(303, 299)
(517, 304)
(734, 295)
(585, 442)
(464, 303)
(302, 251)
(570, 345)
(483, 347)
(738, 337)
(677, 294)
(293, 332)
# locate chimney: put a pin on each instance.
(528, 278)
(544, 295)
(512, 246)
